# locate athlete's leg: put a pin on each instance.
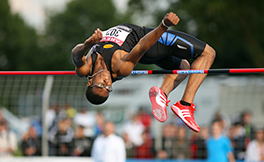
(182, 45)
(204, 61)
(184, 109)
(171, 81)
(185, 46)
(158, 96)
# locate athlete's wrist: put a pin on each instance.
(163, 23)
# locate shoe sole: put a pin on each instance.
(176, 111)
(157, 111)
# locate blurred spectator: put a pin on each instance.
(109, 147)
(8, 141)
(146, 149)
(145, 118)
(224, 121)
(181, 146)
(200, 150)
(255, 149)
(246, 118)
(201, 143)
(61, 138)
(219, 147)
(1, 117)
(70, 111)
(50, 117)
(82, 144)
(87, 120)
(130, 148)
(134, 128)
(54, 115)
(238, 139)
(193, 145)
(31, 143)
(167, 141)
(99, 123)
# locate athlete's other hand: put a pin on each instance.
(95, 38)
(171, 19)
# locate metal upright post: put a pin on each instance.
(45, 106)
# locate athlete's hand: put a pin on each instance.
(171, 19)
(95, 38)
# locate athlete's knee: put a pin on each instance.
(209, 52)
(184, 64)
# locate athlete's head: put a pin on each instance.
(99, 87)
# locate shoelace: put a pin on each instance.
(167, 102)
(192, 107)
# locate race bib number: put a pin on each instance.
(117, 34)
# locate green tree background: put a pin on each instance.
(232, 28)
(18, 42)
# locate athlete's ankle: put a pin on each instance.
(165, 94)
(185, 103)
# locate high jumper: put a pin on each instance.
(112, 55)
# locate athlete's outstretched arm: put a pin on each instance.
(79, 51)
(149, 40)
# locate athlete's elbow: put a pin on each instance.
(76, 49)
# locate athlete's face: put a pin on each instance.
(101, 83)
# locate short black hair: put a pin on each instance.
(216, 121)
(94, 98)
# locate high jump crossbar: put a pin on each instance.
(145, 72)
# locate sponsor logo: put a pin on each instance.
(181, 47)
(112, 39)
(190, 72)
(138, 72)
(108, 46)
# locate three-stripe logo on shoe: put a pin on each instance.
(158, 97)
(185, 113)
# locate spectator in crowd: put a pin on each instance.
(50, 116)
(109, 147)
(130, 148)
(224, 121)
(31, 143)
(61, 139)
(145, 118)
(238, 139)
(181, 146)
(82, 144)
(193, 144)
(219, 147)
(86, 120)
(246, 118)
(70, 111)
(1, 117)
(99, 123)
(255, 149)
(134, 128)
(8, 141)
(54, 115)
(146, 149)
(167, 141)
(199, 144)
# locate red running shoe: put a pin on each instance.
(159, 103)
(185, 113)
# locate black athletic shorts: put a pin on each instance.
(171, 48)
